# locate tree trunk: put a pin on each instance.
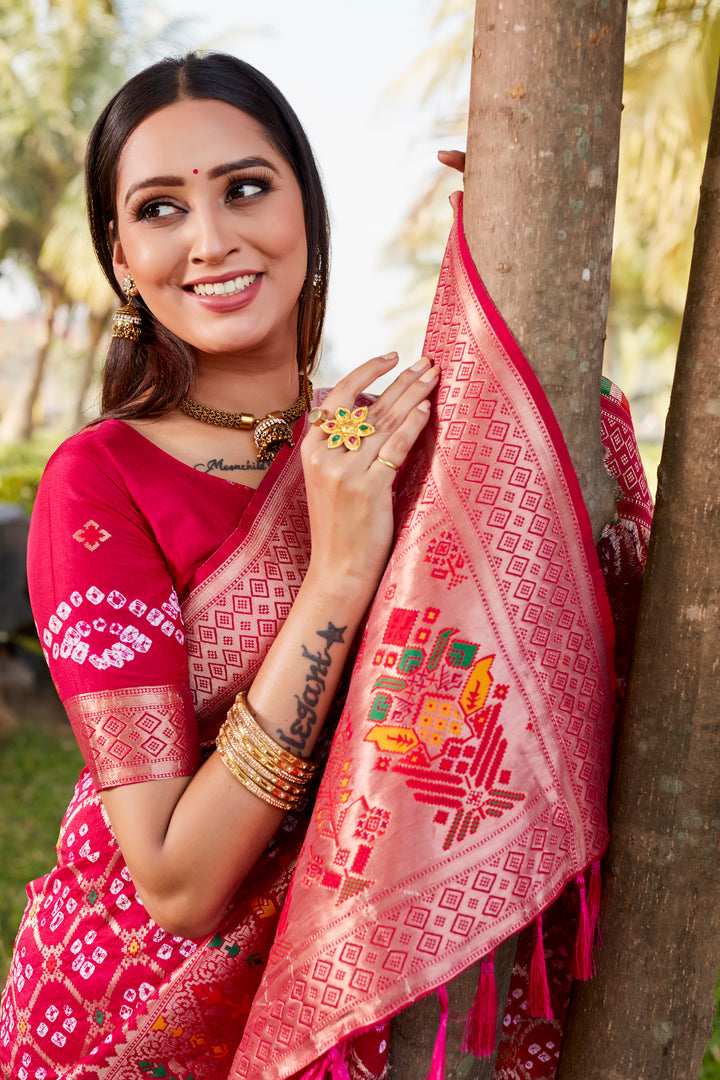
(541, 181)
(540, 187)
(648, 1012)
(18, 420)
(414, 1030)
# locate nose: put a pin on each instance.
(212, 239)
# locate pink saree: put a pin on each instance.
(96, 989)
(466, 786)
(466, 781)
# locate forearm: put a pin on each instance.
(293, 690)
(189, 845)
(211, 830)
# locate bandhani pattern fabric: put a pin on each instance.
(529, 1046)
(150, 630)
(467, 781)
(96, 990)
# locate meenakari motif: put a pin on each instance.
(466, 785)
(348, 428)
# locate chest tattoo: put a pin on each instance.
(219, 464)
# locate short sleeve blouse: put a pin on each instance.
(119, 528)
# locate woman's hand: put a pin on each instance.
(350, 492)
(454, 159)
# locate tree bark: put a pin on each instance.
(540, 187)
(413, 1031)
(648, 1012)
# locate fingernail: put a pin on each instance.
(420, 364)
(424, 406)
(430, 375)
(389, 356)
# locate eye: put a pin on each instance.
(246, 189)
(153, 211)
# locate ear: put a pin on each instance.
(120, 266)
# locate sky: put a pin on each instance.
(337, 63)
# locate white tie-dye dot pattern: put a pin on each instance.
(90, 639)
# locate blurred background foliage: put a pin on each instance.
(61, 60)
(672, 52)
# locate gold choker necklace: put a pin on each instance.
(269, 431)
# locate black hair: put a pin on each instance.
(152, 376)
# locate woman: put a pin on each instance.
(140, 952)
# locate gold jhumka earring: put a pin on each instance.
(127, 323)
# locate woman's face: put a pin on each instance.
(210, 223)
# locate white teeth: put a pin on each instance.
(225, 288)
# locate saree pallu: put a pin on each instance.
(150, 629)
(467, 781)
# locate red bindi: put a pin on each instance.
(195, 171)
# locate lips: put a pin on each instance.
(237, 292)
(224, 288)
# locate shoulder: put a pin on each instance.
(91, 469)
(99, 448)
(102, 438)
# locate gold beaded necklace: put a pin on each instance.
(269, 431)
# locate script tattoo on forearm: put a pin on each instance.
(315, 682)
(219, 463)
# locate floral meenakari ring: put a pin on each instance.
(348, 428)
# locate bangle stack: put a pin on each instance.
(259, 763)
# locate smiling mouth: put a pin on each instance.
(225, 288)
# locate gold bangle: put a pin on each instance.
(258, 734)
(244, 751)
(246, 747)
(261, 765)
(261, 790)
(260, 737)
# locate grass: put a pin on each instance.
(39, 766)
(21, 466)
(711, 1061)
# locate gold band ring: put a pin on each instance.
(384, 461)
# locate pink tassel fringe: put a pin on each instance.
(481, 1028)
(331, 1065)
(338, 1065)
(437, 1066)
(539, 991)
(583, 965)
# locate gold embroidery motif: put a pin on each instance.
(137, 733)
(233, 616)
(91, 535)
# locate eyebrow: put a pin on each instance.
(213, 174)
